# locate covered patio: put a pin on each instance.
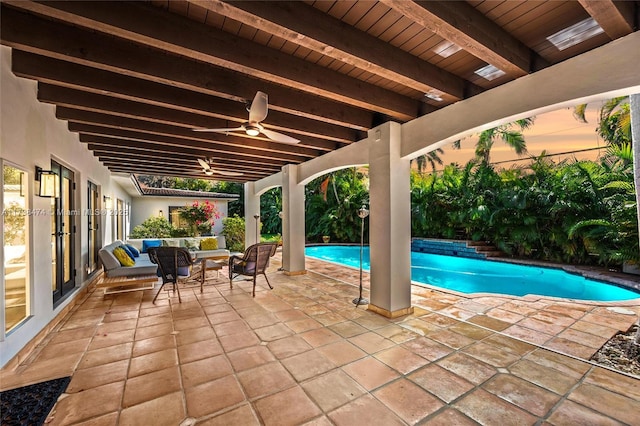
(303, 354)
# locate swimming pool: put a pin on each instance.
(482, 276)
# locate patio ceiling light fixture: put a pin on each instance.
(446, 49)
(434, 95)
(489, 72)
(575, 34)
(49, 183)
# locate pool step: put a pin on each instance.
(471, 249)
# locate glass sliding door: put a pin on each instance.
(63, 229)
(93, 222)
(15, 224)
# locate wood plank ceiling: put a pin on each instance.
(134, 79)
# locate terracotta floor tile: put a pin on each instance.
(348, 329)
(570, 347)
(199, 350)
(467, 367)
(365, 410)
(371, 342)
(250, 357)
(106, 355)
(370, 373)
(585, 339)
(545, 377)
(614, 382)
(289, 407)
(168, 410)
(409, 401)
(427, 348)
(420, 326)
(489, 322)
(151, 386)
(152, 362)
(523, 394)
(329, 318)
(488, 409)
(265, 380)
(273, 332)
(301, 325)
(342, 352)
(619, 407)
(570, 413)
(84, 405)
(190, 323)
(288, 346)
(396, 334)
(471, 331)
(103, 374)
(514, 346)
(450, 338)
(456, 312)
(308, 364)
(504, 315)
(333, 389)
(320, 337)
(193, 335)
(319, 421)
(204, 370)
(237, 341)
(111, 339)
(261, 320)
(442, 383)
(214, 396)
(543, 326)
(120, 316)
(154, 331)
(231, 327)
(291, 315)
(596, 329)
(216, 307)
(450, 417)
(110, 327)
(491, 355)
(55, 350)
(154, 320)
(154, 344)
(147, 311)
(527, 334)
(372, 321)
(556, 318)
(243, 415)
(401, 359)
(71, 335)
(222, 317)
(565, 365)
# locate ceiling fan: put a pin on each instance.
(257, 113)
(206, 168)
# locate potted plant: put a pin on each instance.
(200, 216)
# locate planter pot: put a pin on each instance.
(325, 239)
(631, 268)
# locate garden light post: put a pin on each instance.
(257, 218)
(362, 213)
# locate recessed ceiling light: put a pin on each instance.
(575, 34)
(446, 49)
(434, 95)
(490, 72)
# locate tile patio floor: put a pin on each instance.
(303, 354)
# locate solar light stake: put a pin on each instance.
(362, 213)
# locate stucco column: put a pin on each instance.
(293, 227)
(251, 208)
(389, 223)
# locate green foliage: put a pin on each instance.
(154, 227)
(233, 231)
(270, 207)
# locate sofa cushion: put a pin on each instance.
(132, 250)
(209, 244)
(109, 261)
(191, 243)
(146, 244)
(123, 257)
(171, 242)
(128, 251)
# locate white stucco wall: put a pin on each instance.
(144, 207)
(31, 136)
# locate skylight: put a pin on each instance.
(446, 49)
(575, 34)
(490, 72)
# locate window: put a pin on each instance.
(175, 219)
(120, 220)
(15, 225)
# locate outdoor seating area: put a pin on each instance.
(303, 352)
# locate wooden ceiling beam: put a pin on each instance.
(89, 101)
(615, 17)
(141, 166)
(63, 73)
(121, 57)
(142, 147)
(164, 172)
(174, 141)
(306, 26)
(229, 142)
(223, 60)
(460, 23)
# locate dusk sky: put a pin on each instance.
(555, 132)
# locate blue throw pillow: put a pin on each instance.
(134, 251)
(128, 251)
(146, 244)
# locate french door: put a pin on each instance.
(93, 228)
(63, 229)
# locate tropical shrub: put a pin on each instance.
(233, 231)
(153, 227)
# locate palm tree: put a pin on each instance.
(432, 158)
(506, 132)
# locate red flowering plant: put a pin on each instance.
(200, 216)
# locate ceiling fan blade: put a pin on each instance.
(225, 173)
(259, 108)
(279, 137)
(220, 130)
(204, 164)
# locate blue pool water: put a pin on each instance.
(482, 276)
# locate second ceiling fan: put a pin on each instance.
(257, 113)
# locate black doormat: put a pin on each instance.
(30, 405)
